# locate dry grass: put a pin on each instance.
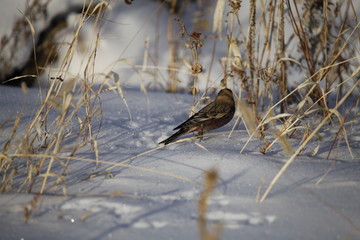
(325, 57)
(74, 101)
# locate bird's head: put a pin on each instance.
(225, 96)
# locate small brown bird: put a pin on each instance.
(216, 114)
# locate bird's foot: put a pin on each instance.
(200, 136)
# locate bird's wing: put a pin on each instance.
(218, 111)
(200, 116)
(209, 112)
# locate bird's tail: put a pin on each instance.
(173, 137)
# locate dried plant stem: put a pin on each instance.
(173, 50)
(269, 112)
(209, 186)
(250, 45)
(281, 55)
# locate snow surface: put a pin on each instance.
(158, 199)
(158, 206)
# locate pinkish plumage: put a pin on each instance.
(214, 115)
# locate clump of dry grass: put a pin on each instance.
(66, 112)
(259, 63)
(41, 154)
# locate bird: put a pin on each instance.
(214, 115)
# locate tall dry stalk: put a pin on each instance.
(173, 81)
(250, 47)
(281, 55)
(211, 177)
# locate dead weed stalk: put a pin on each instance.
(211, 177)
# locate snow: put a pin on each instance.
(156, 195)
(139, 203)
